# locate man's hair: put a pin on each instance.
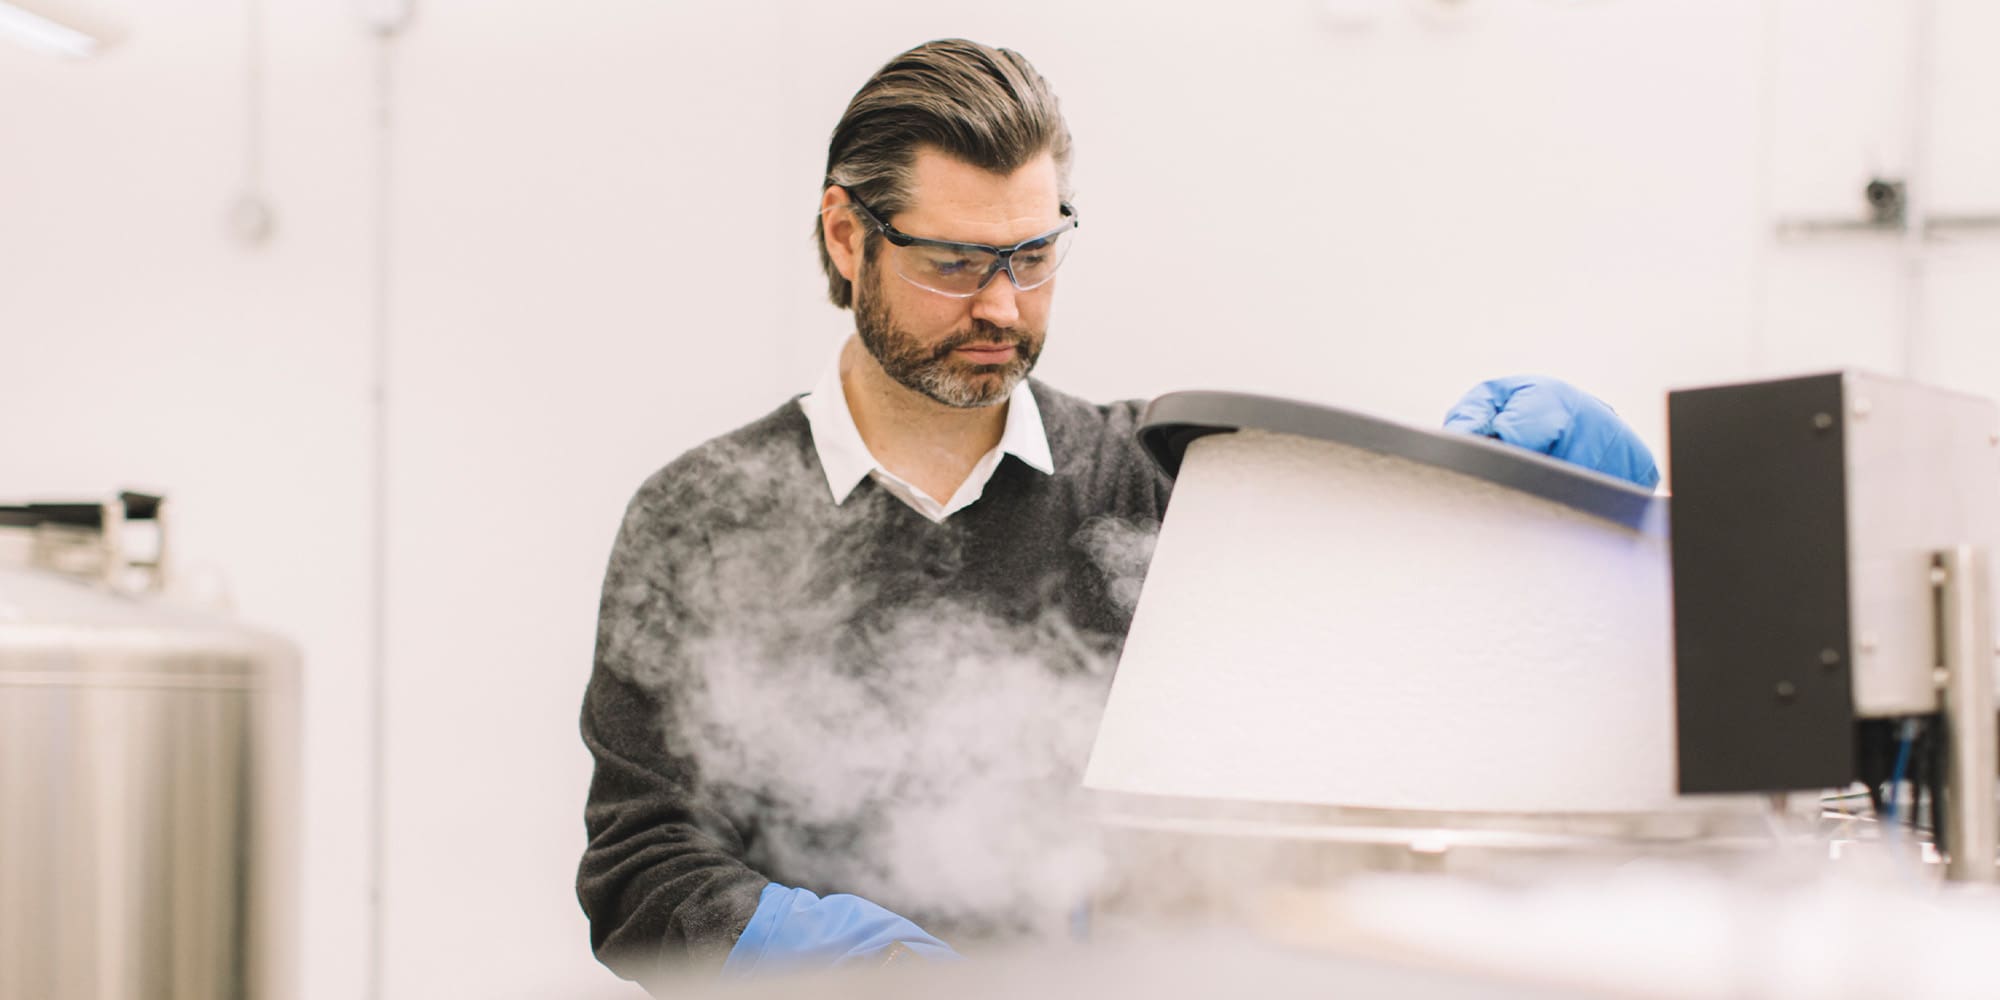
(986, 106)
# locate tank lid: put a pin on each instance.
(49, 621)
(1175, 420)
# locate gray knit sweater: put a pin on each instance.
(851, 698)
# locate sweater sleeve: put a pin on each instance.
(662, 879)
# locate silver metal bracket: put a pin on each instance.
(1889, 212)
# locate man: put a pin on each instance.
(856, 646)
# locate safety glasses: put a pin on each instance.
(961, 270)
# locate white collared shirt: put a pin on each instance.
(847, 461)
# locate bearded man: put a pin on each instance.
(832, 642)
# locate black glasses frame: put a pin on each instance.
(1003, 256)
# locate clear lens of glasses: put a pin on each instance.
(961, 273)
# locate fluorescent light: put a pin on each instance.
(40, 33)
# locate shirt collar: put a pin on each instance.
(845, 458)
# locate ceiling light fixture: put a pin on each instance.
(43, 35)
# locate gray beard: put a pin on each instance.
(932, 371)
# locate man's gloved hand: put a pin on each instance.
(1557, 419)
(795, 930)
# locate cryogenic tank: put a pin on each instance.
(147, 780)
(1366, 646)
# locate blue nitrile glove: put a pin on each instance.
(795, 930)
(1557, 419)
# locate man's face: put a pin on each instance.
(968, 352)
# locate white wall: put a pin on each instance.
(597, 257)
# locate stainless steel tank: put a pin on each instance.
(148, 791)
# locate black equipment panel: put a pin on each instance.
(1763, 682)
